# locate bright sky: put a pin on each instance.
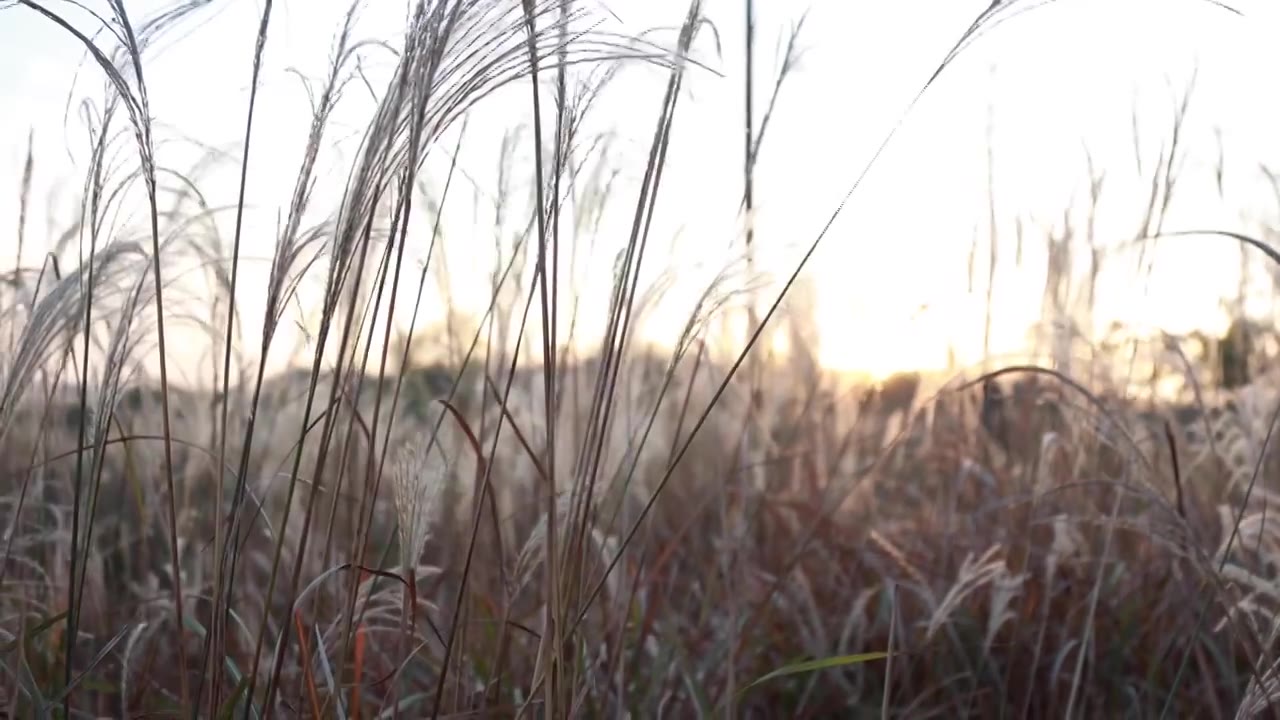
(1049, 83)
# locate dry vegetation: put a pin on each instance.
(518, 532)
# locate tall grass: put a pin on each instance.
(557, 535)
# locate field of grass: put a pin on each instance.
(523, 531)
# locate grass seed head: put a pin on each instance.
(418, 480)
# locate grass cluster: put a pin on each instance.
(523, 532)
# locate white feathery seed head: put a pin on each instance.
(417, 482)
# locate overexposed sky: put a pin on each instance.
(1045, 85)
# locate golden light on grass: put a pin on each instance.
(623, 530)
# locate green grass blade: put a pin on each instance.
(35, 631)
(97, 660)
(806, 666)
(228, 709)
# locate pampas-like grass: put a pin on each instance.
(418, 481)
(640, 535)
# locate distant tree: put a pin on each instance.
(1018, 418)
(994, 413)
(892, 397)
(1234, 351)
(426, 384)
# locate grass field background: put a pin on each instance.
(492, 396)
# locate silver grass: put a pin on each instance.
(418, 481)
(56, 315)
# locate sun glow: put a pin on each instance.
(901, 276)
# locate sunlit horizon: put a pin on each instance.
(890, 283)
